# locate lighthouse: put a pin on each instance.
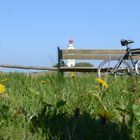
(71, 62)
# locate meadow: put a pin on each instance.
(72, 107)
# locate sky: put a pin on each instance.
(31, 30)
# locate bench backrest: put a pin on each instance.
(91, 54)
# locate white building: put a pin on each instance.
(71, 62)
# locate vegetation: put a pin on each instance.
(79, 64)
(83, 64)
(55, 107)
(56, 65)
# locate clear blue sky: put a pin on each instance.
(31, 30)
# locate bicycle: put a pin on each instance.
(120, 67)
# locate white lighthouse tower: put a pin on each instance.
(71, 62)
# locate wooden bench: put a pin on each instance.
(86, 54)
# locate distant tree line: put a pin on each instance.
(83, 64)
(79, 64)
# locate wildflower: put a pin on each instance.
(2, 88)
(43, 82)
(73, 75)
(104, 116)
(102, 82)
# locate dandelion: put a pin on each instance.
(104, 116)
(2, 88)
(102, 83)
(43, 82)
(73, 75)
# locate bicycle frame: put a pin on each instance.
(127, 56)
(121, 66)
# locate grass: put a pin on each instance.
(55, 107)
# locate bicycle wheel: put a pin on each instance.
(137, 67)
(113, 67)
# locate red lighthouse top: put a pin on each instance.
(71, 41)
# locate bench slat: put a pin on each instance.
(94, 57)
(136, 57)
(92, 51)
(78, 69)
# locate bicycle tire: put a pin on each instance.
(107, 67)
(138, 68)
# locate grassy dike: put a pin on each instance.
(55, 107)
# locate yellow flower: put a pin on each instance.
(102, 82)
(2, 88)
(73, 75)
(44, 82)
(104, 115)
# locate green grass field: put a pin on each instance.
(54, 107)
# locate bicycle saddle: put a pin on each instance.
(126, 42)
